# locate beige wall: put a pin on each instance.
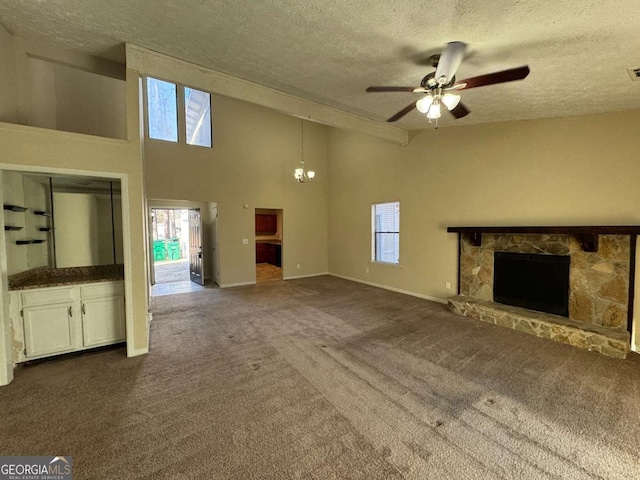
(565, 171)
(36, 198)
(41, 150)
(77, 234)
(8, 98)
(255, 152)
(13, 194)
(21, 190)
(106, 234)
(70, 99)
(49, 151)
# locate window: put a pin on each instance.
(162, 110)
(177, 113)
(385, 222)
(197, 108)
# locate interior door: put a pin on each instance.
(195, 246)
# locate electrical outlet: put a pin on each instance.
(366, 270)
(298, 266)
(245, 241)
(447, 285)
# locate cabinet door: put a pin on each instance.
(262, 224)
(103, 321)
(271, 255)
(272, 223)
(261, 253)
(48, 329)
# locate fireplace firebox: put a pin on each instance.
(534, 281)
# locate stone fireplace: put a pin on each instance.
(600, 286)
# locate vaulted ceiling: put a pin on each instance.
(329, 51)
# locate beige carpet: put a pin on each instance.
(328, 379)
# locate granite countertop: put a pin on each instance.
(54, 277)
(272, 241)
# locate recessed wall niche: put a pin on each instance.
(69, 221)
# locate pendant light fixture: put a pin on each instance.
(300, 174)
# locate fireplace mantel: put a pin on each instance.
(586, 235)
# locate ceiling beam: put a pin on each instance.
(164, 67)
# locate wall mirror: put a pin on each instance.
(67, 221)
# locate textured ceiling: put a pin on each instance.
(329, 51)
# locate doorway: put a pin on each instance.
(176, 250)
(269, 244)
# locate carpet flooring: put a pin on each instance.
(328, 379)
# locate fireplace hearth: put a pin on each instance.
(573, 285)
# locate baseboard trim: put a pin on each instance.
(306, 276)
(240, 284)
(393, 289)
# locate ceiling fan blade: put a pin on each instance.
(496, 77)
(460, 111)
(402, 112)
(391, 89)
(450, 60)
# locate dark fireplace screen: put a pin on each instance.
(534, 281)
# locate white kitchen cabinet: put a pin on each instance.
(55, 320)
(102, 313)
(103, 321)
(48, 329)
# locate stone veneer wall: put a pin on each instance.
(599, 281)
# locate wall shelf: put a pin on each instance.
(15, 208)
(28, 242)
(12, 228)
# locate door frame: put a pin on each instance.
(165, 204)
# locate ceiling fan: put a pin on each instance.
(440, 85)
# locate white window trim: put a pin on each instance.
(373, 260)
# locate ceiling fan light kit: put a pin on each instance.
(438, 85)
